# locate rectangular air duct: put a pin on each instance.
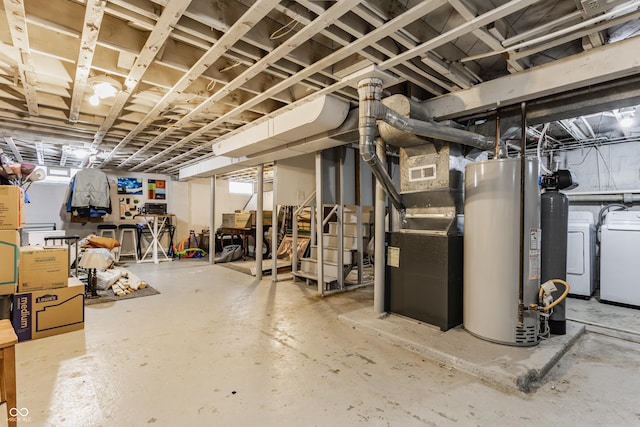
(320, 115)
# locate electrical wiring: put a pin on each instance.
(615, 187)
(589, 149)
(603, 212)
(284, 30)
(541, 140)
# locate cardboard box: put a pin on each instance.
(243, 220)
(9, 255)
(11, 207)
(43, 268)
(266, 218)
(228, 220)
(236, 220)
(49, 312)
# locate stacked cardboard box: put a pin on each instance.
(9, 255)
(45, 301)
(43, 268)
(236, 220)
(266, 217)
(11, 207)
(11, 221)
(47, 312)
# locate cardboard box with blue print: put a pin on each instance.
(11, 207)
(9, 253)
(43, 268)
(49, 312)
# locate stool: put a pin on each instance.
(132, 231)
(108, 229)
(8, 394)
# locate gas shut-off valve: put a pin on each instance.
(547, 289)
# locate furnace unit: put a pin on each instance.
(424, 257)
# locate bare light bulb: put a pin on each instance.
(626, 122)
(94, 100)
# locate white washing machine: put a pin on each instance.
(581, 254)
(620, 258)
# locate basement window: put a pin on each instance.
(237, 187)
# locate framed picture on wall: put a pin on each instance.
(129, 206)
(157, 189)
(129, 185)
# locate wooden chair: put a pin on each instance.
(8, 340)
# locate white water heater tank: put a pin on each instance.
(492, 251)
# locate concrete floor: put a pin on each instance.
(218, 348)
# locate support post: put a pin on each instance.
(319, 225)
(274, 226)
(212, 220)
(340, 218)
(379, 239)
(259, 213)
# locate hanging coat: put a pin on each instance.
(91, 188)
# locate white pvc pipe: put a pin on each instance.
(597, 193)
(626, 198)
(566, 30)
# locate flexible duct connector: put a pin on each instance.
(372, 109)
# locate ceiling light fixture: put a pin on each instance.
(626, 122)
(103, 87)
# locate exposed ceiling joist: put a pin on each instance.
(595, 66)
(201, 72)
(88, 41)
(292, 43)
(18, 28)
(14, 148)
(156, 40)
(235, 33)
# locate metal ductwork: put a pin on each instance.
(372, 109)
(423, 274)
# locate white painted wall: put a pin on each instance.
(190, 201)
(199, 191)
(181, 208)
(611, 167)
(607, 168)
(294, 179)
(48, 203)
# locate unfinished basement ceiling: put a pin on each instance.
(192, 72)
